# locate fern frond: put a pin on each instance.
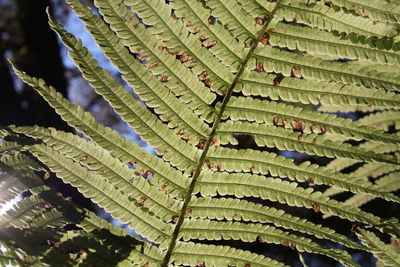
(239, 209)
(204, 229)
(140, 42)
(269, 163)
(246, 185)
(188, 253)
(280, 61)
(131, 110)
(211, 74)
(285, 139)
(246, 108)
(325, 18)
(388, 183)
(320, 42)
(127, 181)
(120, 148)
(314, 92)
(383, 252)
(382, 120)
(177, 38)
(382, 11)
(93, 186)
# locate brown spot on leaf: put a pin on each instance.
(278, 121)
(323, 129)
(265, 39)
(296, 71)
(153, 65)
(84, 158)
(293, 246)
(211, 20)
(36, 88)
(192, 64)
(260, 66)
(210, 44)
(202, 38)
(46, 175)
(203, 75)
(175, 219)
(186, 138)
(310, 181)
(207, 82)
(184, 57)
(201, 144)
(278, 79)
(164, 79)
(176, 125)
(180, 132)
(173, 15)
(316, 208)
(298, 125)
(260, 20)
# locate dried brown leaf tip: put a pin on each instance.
(296, 72)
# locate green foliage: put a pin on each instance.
(224, 88)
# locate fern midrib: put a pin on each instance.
(211, 137)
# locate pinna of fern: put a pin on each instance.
(210, 74)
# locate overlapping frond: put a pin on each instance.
(213, 77)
